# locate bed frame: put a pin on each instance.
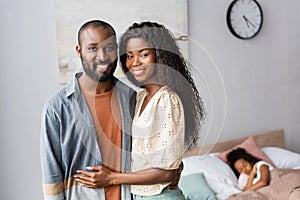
(272, 138)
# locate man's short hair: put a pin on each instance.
(95, 24)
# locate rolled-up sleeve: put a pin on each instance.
(51, 155)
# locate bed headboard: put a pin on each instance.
(272, 138)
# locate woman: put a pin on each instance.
(167, 116)
(252, 172)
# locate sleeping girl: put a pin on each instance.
(252, 172)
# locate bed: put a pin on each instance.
(207, 176)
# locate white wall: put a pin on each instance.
(28, 77)
(262, 75)
(261, 78)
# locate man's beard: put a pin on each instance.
(90, 71)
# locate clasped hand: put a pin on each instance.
(103, 177)
(98, 179)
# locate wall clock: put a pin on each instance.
(244, 18)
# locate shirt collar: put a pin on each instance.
(73, 86)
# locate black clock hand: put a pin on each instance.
(251, 24)
(248, 21)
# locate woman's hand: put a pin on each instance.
(104, 177)
(100, 178)
(174, 184)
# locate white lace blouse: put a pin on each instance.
(157, 136)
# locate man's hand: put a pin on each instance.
(98, 179)
(174, 183)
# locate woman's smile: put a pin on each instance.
(140, 59)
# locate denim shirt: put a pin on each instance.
(68, 141)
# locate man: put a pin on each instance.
(88, 122)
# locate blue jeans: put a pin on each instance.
(166, 194)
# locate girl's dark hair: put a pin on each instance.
(237, 154)
(169, 64)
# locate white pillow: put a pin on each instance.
(242, 180)
(282, 158)
(218, 174)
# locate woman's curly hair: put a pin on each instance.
(169, 65)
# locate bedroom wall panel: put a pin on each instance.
(261, 76)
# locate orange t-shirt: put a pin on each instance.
(107, 118)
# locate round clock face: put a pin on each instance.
(244, 18)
